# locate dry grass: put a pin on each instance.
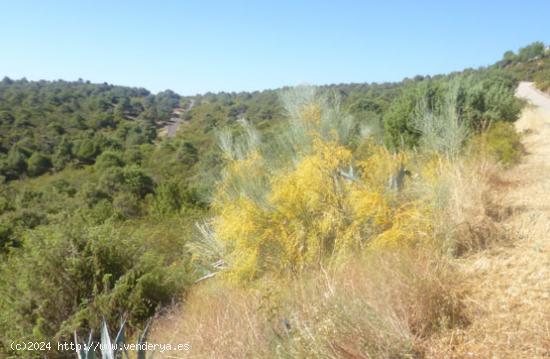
(385, 306)
(510, 285)
(470, 214)
(217, 320)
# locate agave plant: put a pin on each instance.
(84, 350)
(111, 348)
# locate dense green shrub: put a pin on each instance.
(38, 164)
(14, 164)
(137, 182)
(69, 276)
(86, 151)
(126, 205)
(504, 143)
(6, 236)
(479, 99)
(109, 159)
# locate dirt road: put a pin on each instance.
(541, 101)
(172, 125)
(510, 283)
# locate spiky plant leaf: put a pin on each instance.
(86, 351)
(106, 351)
(142, 354)
(120, 339)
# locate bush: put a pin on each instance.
(137, 182)
(15, 164)
(282, 209)
(167, 199)
(69, 276)
(399, 126)
(531, 51)
(126, 205)
(442, 130)
(542, 80)
(476, 100)
(108, 159)
(504, 143)
(86, 150)
(6, 236)
(38, 164)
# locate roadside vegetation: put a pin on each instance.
(325, 248)
(318, 214)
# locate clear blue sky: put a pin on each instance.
(199, 46)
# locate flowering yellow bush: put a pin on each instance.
(311, 209)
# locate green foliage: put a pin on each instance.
(126, 205)
(504, 143)
(479, 100)
(38, 164)
(136, 181)
(109, 159)
(70, 276)
(442, 130)
(167, 198)
(74, 120)
(542, 79)
(105, 232)
(15, 163)
(532, 51)
(86, 151)
(6, 236)
(399, 119)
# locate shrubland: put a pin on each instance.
(331, 214)
(52, 125)
(334, 246)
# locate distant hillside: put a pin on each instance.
(49, 125)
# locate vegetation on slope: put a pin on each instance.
(317, 247)
(51, 125)
(98, 219)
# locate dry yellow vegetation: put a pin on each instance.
(509, 300)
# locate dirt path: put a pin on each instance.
(510, 284)
(173, 124)
(537, 98)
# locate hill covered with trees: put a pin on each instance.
(51, 125)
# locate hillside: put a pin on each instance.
(290, 198)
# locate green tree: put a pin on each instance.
(16, 163)
(62, 154)
(399, 126)
(137, 182)
(508, 58)
(86, 150)
(38, 164)
(109, 159)
(532, 51)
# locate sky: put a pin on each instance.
(199, 46)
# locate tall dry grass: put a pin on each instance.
(471, 218)
(378, 306)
